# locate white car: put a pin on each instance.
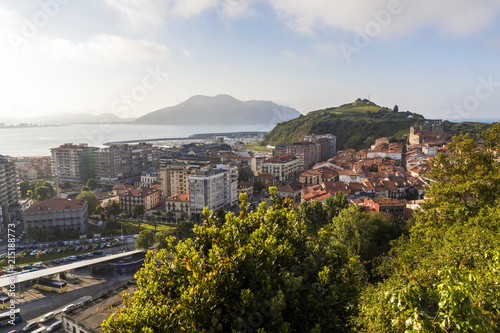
(67, 308)
(47, 317)
(30, 326)
(55, 326)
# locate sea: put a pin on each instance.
(37, 141)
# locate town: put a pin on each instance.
(67, 203)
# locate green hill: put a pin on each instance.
(356, 125)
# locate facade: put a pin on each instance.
(174, 178)
(178, 205)
(327, 142)
(395, 207)
(282, 167)
(149, 178)
(149, 197)
(213, 188)
(8, 183)
(65, 214)
(306, 152)
(73, 163)
(124, 163)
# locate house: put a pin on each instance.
(395, 207)
(149, 197)
(178, 205)
(291, 190)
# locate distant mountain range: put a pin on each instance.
(68, 118)
(197, 110)
(220, 109)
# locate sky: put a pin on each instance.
(130, 57)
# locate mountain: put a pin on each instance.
(78, 118)
(220, 109)
(356, 125)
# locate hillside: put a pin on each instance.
(220, 109)
(356, 125)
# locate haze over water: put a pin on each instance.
(37, 141)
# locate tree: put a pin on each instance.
(85, 188)
(99, 209)
(138, 210)
(313, 215)
(113, 209)
(395, 109)
(242, 174)
(145, 240)
(24, 187)
(444, 276)
(257, 186)
(335, 204)
(92, 184)
(182, 231)
(42, 193)
(259, 272)
(91, 199)
(30, 194)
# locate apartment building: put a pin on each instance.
(8, 183)
(124, 163)
(282, 167)
(213, 188)
(73, 163)
(65, 214)
(149, 197)
(327, 144)
(306, 152)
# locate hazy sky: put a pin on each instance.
(437, 58)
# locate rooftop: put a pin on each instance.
(56, 205)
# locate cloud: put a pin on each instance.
(186, 53)
(105, 49)
(140, 16)
(457, 18)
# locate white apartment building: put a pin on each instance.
(65, 214)
(283, 167)
(215, 188)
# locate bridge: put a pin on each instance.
(205, 138)
(18, 277)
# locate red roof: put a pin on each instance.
(56, 205)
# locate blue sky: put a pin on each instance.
(131, 57)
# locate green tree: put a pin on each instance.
(92, 184)
(395, 109)
(91, 199)
(138, 210)
(444, 276)
(242, 174)
(257, 186)
(85, 188)
(145, 240)
(182, 231)
(259, 272)
(335, 204)
(313, 215)
(42, 193)
(24, 187)
(30, 194)
(113, 209)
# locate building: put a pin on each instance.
(124, 163)
(147, 196)
(327, 142)
(306, 152)
(178, 205)
(173, 179)
(282, 167)
(87, 316)
(65, 214)
(395, 207)
(8, 183)
(73, 163)
(291, 190)
(149, 178)
(213, 188)
(419, 137)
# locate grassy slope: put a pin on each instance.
(356, 125)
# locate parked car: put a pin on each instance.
(56, 261)
(47, 317)
(30, 326)
(72, 258)
(66, 243)
(60, 243)
(81, 256)
(68, 307)
(55, 326)
(38, 265)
